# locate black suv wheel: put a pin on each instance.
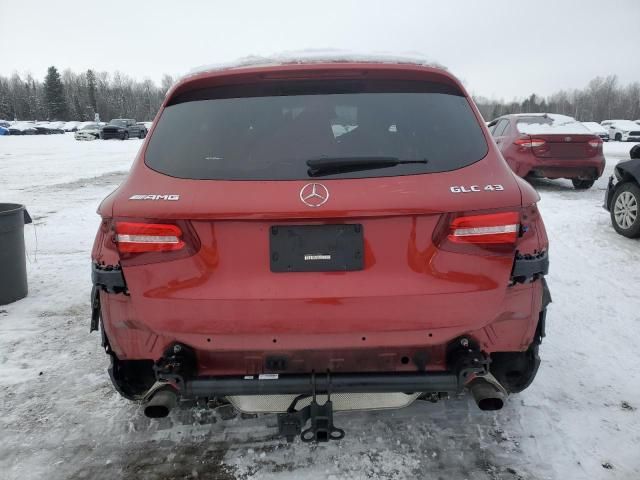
(625, 206)
(582, 184)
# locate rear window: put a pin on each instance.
(268, 132)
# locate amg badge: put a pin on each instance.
(155, 197)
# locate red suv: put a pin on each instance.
(310, 237)
(551, 146)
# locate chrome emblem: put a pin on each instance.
(314, 194)
(171, 197)
(567, 139)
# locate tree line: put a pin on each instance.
(79, 96)
(604, 98)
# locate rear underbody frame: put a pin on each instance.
(176, 377)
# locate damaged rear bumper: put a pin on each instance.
(108, 279)
(608, 196)
(529, 267)
(176, 377)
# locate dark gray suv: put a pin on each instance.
(123, 128)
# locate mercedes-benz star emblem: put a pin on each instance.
(314, 194)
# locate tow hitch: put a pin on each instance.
(290, 424)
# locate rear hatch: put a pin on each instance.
(271, 247)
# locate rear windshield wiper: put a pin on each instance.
(332, 165)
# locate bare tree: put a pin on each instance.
(602, 99)
(118, 95)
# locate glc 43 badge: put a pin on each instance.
(476, 188)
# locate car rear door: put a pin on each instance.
(499, 132)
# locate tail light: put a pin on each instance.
(141, 241)
(480, 233)
(493, 228)
(595, 143)
(148, 237)
(526, 143)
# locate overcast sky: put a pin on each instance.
(501, 48)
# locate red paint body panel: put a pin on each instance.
(412, 295)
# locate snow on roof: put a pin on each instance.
(556, 117)
(624, 124)
(595, 127)
(551, 123)
(23, 125)
(316, 56)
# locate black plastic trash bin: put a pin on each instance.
(13, 265)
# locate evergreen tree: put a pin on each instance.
(54, 95)
(91, 90)
(6, 112)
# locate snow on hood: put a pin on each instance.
(315, 56)
(550, 123)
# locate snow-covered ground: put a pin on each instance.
(61, 419)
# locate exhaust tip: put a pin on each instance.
(490, 404)
(161, 403)
(156, 411)
(487, 396)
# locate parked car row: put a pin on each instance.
(119, 128)
(40, 128)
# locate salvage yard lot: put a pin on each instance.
(62, 419)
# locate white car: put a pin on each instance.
(602, 132)
(90, 131)
(84, 124)
(59, 125)
(70, 126)
(622, 130)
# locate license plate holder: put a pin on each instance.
(316, 248)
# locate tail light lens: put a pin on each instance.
(144, 241)
(526, 143)
(148, 237)
(595, 143)
(480, 233)
(493, 228)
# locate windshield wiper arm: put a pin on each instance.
(331, 165)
